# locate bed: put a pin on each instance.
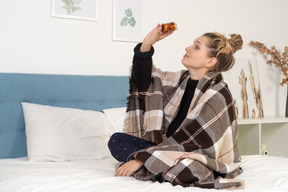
(27, 98)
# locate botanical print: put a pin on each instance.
(75, 9)
(128, 19)
(70, 6)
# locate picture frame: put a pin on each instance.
(244, 75)
(75, 9)
(127, 20)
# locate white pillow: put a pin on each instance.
(116, 117)
(65, 134)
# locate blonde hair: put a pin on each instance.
(223, 49)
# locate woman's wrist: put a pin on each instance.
(145, 47)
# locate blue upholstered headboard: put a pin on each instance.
(76, 91)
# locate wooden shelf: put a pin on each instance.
(270, 131)
(262, 120)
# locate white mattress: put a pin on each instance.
(261, 173)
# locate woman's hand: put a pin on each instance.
(128, 168)
(155, 35)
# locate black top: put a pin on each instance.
(184, 106)
(141, 75)
(142, 67)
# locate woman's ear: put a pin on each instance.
(211, 62)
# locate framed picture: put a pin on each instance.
(244, 83)
(127, 20)
(75, 9)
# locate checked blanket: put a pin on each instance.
(202, 152)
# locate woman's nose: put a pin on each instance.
(187, 49)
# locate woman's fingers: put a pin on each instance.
(123, 171)
(128, 168)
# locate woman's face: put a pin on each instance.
(196, 57)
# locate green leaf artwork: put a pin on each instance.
(128, 12)
(128, 19)
(70, 6)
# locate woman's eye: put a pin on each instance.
(196, 47)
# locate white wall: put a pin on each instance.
(31, 41)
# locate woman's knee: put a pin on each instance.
(114, 139)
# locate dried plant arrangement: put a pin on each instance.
(256, 93)
(280, 60)
(244, 95)
(236, 108)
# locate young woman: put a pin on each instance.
(193, 108)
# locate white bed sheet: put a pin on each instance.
(261, 173)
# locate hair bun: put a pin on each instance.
(236, 42)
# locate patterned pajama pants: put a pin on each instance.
(122, 145)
